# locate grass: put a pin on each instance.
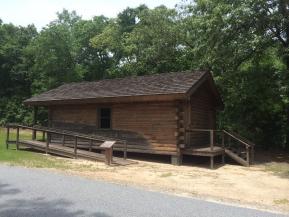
(281, 202)
(164, 175)
(278, 168)
(27, 158)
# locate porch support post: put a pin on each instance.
(35, 111)
(176, 159)
(248, 155)
(212, 139)
(212, 162)
(252, 154)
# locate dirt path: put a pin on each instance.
(252, 186)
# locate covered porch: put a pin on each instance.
(213, 143)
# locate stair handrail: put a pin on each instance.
(239, 138)
(248, 144)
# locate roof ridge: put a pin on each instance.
(136, 76)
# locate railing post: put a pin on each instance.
(7, 137)
(75, 147)
(43, 136)
(252, 154)
(223, 140)
(125, 150)
(17, 138)
(248, 155)
(229, 141)
(47, 143)
(90, 145)
(33, 134)
(63, 140)
(212, 140)
(223, 146)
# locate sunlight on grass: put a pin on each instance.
(281, 201)
(164, 175)
(28, 158)
(32, 159)
(281, 169)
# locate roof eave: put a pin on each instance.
(125, 99)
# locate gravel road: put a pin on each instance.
(40, 193)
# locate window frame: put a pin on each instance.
(100, 118)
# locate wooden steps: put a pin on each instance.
(236, 157)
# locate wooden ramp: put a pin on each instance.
(61, 150)
(83, 146)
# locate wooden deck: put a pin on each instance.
(208, 151)
(61, 150)
(204, 151)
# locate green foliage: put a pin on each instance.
(15, 76)
(143, 41)
(245, 44)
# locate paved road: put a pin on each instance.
(34, 192)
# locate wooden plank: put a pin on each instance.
(17, 138)
(107, 144)
(7, 137)
(236, 157)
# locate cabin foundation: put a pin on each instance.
(176, 160)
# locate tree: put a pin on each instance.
(233, 38)
(54, 54)
(94, 61)
(15, 79)
(143, 41)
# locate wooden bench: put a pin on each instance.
(107, 147)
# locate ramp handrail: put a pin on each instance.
(50, 131)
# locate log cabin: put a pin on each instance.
(152, 113)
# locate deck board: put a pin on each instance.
(204, 151)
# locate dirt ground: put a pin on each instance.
(264, 185)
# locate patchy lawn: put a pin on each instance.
(265, 185)
(26, 158)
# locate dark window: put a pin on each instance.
(105, 118)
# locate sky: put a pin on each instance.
(41, 12)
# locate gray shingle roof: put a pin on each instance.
(157, 84)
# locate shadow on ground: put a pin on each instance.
(37, 207)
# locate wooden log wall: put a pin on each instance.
(202, 116)
(153, 121)
(148, 127)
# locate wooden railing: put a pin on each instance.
(226, 140)
(48, 132)
(213, 134)
(240, 143)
